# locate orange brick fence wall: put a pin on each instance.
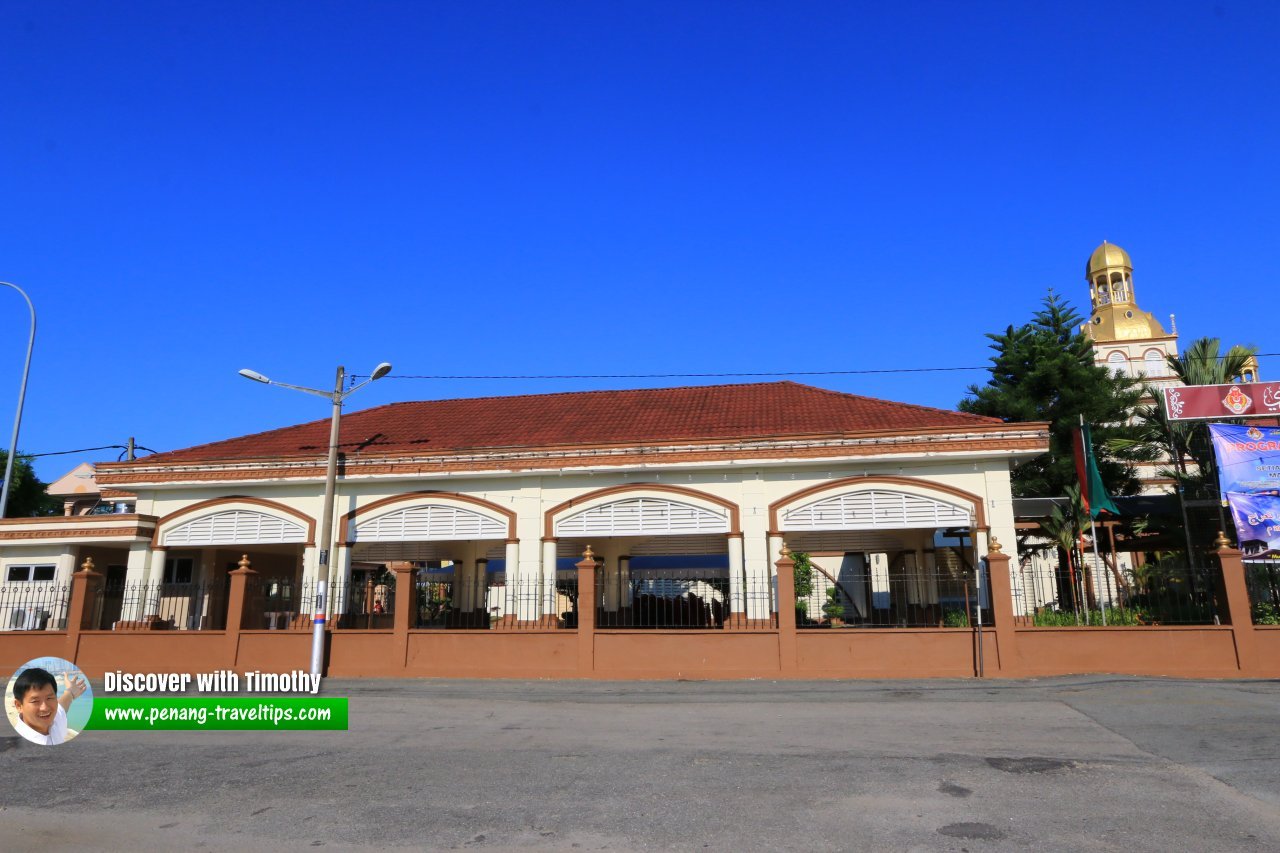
(1234, 649)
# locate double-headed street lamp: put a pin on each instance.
(330, 486)
(22, 394)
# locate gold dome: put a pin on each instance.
(1124, 323)
(1107, 256)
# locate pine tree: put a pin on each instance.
(1044, 370)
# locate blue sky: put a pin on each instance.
(496, 188)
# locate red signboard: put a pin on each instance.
(1240, 400)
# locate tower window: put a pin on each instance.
(1154, 363)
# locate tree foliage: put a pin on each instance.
(27, 496)
(1044, 370)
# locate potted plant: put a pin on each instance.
(833, 609)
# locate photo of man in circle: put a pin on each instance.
(41, 713)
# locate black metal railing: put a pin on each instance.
(682, 598)
(491, 601)
(1099, 594)
(35, 606)
(150, 606)
(1263, 581)
(876, 597)
(365, 602)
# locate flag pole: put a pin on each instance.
(1082, 475)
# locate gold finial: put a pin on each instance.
(87, 565)
(1222, 541)
(244, 562)
(588, 554)
(785, 553)
(995, 547)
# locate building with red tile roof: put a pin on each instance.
(683, 494)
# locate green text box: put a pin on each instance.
(219, 713)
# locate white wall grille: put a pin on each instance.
(874, 509)
(236, 527)
(644, 517)
(428, 523)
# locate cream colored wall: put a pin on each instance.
(751, 488)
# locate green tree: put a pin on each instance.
(1185, 445)
(803, 573)
(1044, 370)
(1202, 363)
(27, 495)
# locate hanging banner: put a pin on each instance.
(1249, 477)
(1257, 519)
(1238, 400)
(1248, 458)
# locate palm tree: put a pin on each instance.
(1064, 527)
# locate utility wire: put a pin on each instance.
(727, 375)
(87, 450)
(683, 375)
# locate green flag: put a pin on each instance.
(1091, 488)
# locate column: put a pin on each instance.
(515, 583)
(738, 587)
(310, 564)
(786, 575)
(586, 612)
(82, 610)
(66, 565)
(340, 573)
(136, 566)
(624, 580)
(480, 596)
(612, 592)
(761, 608)
(548, 610)
(1002, 611)
(1239, 610)
(148, 593)
(463, 587)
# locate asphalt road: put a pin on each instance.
(1099, 763)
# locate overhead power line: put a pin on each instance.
(124, 447)
(681, 375)
(726, 375)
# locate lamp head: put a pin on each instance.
(380, 371)
(254, 375)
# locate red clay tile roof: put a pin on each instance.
(657, 415)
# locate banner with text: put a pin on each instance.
(1249, 477)
(1239, 400)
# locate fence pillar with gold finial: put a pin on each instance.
(1235, 608)
(786, 567)
(83, 608)
(1006, 659)
(586, 612)
(405, 607)
(244, 606)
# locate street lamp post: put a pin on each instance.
(22, 395)
(330, 487)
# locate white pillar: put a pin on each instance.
(737, 582)
(310, 564)
(612, 592)
(463, 588)
(549, 578)
(480, 585)
(512, 605)
(136, 567)
(761, 609)
(624, 580)
(340, 570)
(150, 604)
